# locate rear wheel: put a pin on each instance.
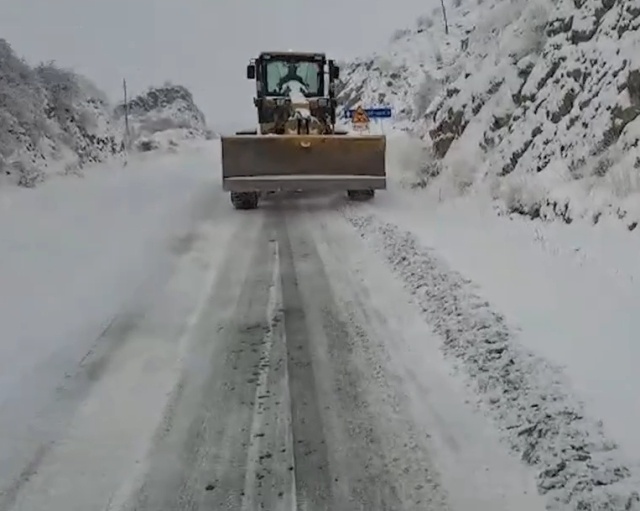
(360, 195)
(244, 200)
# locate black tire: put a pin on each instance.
(361, 195)
(244, 200)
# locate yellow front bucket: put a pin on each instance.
(303, 161)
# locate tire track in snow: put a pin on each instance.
(579, 468)
(271, 450)
(311, 467)
(200, 458)
(374, 458)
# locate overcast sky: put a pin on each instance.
(202, 44)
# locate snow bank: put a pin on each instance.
(578, 466)
(81, 258)
(534, 103)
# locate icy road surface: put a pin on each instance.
(162, 351)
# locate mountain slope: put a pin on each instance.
(54, 121)
(51, 121)
(536, 103)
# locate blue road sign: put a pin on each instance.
(372, 113)
(379, 113)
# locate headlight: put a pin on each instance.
(283, 101)
(323, 102)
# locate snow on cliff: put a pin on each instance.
(535, 102)
(163, 116)
(51, 121)
(54, 121)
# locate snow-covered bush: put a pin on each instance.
(51, 121)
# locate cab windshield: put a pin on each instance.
(281, 73)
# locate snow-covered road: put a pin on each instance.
(160, 350)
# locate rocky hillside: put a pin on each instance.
(51, 121)
(535, 102)
(163, 116)
(54, 121)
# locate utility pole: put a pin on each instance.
(126, 115)
(444, 15)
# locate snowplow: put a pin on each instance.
(295, 146)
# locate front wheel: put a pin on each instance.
(244, 200)
(360, 195)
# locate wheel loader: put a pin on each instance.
(295, 146)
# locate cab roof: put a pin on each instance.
(306, 54)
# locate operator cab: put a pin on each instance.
(277, 74)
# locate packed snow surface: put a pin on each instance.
(122, 290)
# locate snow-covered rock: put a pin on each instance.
(162, 117)
(535, 102)
(51, 121)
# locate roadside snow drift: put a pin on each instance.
(579, 467)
